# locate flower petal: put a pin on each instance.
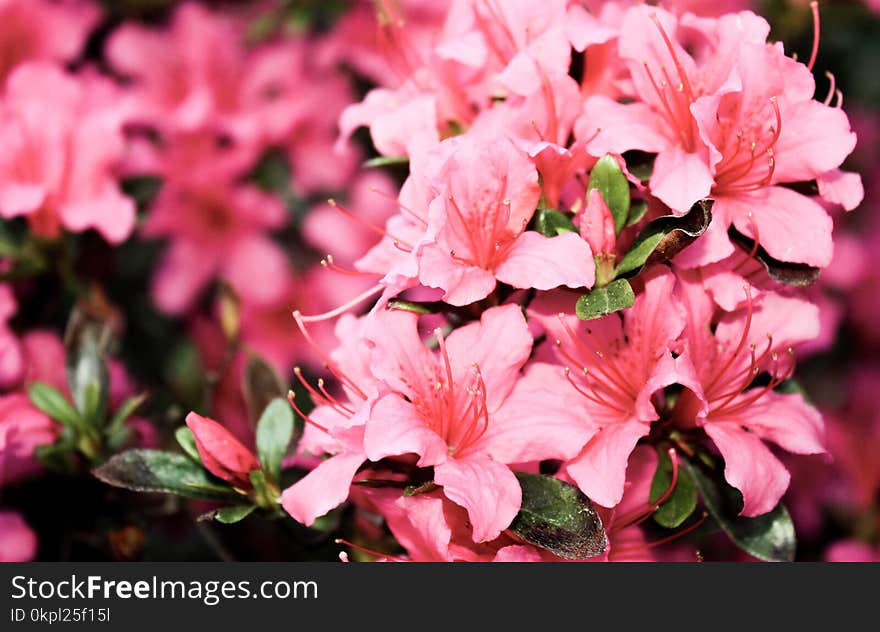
(324, 488)
(543, 263)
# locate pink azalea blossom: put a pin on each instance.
(43, 30)
(612, 367)
(12, 363)
(734, 120)
(22, 428)
(216, 229)
(721, 360)
(477, 232)
(18, 542)
(463, 411)
(52, 171)
(852, 551)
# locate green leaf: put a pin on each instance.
(558, 517)
(126, 410)
(274, 432)
(796, 274)
(262, 384)
(187, 441)
(683, 500)
(665, 237)
(233, 514)
(769, 537)
(550, 222)
(612, 184)
(636, 213)
(384, 161)
(265, 493)
(165, 472)
(53, 403)
(604, 300)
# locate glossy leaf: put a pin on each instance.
(665, 237)
(605, 300)
(681, 502)
(558, 517)
(550, 222)
(165, 472)
(187, 442)
(769, 537)
(608, 177)
(274, 431)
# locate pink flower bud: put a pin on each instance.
(597, 225)
(222, 454)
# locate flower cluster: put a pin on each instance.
(470, 280)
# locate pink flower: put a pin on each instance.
(32, 30)
(613, 368)
(22, 428)
(12, 363)
(18, 542)
(463, 411)
(477, 233)
(52, 171)
(852, 551)
(216, 229)
(222, 454)
(732, 121)
(721, 360)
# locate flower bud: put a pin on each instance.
(597, 228)
(222, 454)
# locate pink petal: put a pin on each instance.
(543, 263)
(399, 356)
(499, 344)
(710, 247)
(18, 542)
(419, 523)
(814, 139)
(841, 187)
(600, 469)
(680, 178)
(541, 419)
(750, 467)
(488, 491)
(183, 272)
(791, 226)
(20, 199)
(112, 214)
(395, 428)
(616, 128)
(463, 284)
(324, 488)
(258, 269)
(518, 553)
(222, 454)
(786, 420)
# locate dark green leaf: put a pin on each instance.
(384, 161)
(233, 514)
(550, 222)
(262, 384)
(274, 432)
(165, 472)
(265, 494)
(558, 517)
(187, 441)
(126, 410)
(769, 537)
(612, 184)
(636, 213)
(683, 500)
(600, 301)
(796, 274)
(53, 403)
(665, 237)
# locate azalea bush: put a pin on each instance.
(409, 280)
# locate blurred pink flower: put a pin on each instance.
(43, 30)
(22, 428)
(52, 170)
(216, 229)
(18, 542)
